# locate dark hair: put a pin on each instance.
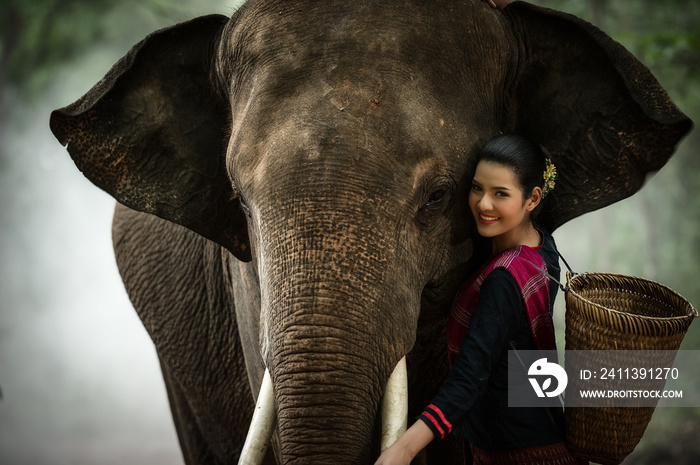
(525, 157)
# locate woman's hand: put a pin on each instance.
(395, 455)
(498, 4)
(407, 446)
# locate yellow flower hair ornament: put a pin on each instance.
(550, 175)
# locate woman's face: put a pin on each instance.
(497, 202)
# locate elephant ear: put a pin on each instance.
(152, 133)
(601, 114)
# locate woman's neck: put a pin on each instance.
(526, 234)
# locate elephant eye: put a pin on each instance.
(437, 192)
(436, 197)
(238, 196)
(244, 205)
(432, 207)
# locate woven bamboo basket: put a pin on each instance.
(614, 312)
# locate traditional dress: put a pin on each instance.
(507, 303)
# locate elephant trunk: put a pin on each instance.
(329, 365)
(394, 412)
(327, 404)
(338, 310)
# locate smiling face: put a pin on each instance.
(499, 206)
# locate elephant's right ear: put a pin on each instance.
(153, 133)
(599, 111)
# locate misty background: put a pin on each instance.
(79, 376)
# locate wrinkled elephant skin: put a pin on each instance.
(292, 186)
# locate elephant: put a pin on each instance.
(291, 187)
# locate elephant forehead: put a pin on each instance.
(287, 41)
(315, 138)
(340, 114)
(339, 81)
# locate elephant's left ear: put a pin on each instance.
(153, 132)
(599, 111)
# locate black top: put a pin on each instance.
(474, 397)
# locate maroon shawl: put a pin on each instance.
(534, 290)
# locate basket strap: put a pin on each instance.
(566, 263)
(561, 286)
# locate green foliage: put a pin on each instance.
(38, 36)
(41, 34)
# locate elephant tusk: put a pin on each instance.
(261, 426)
(395, 405)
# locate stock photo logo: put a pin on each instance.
(540, 375)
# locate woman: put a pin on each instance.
(506, 304)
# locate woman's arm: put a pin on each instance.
(498, 315)
(407, 446)
(491, 327)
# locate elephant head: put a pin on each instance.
(329, 146)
